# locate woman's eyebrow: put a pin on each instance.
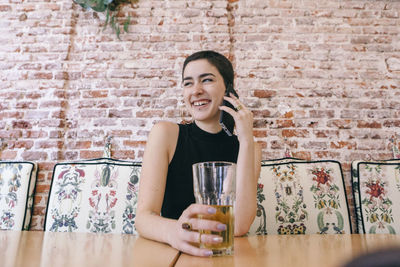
(200, 76)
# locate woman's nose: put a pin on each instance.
(198, 88)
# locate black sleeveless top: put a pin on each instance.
(194, 145)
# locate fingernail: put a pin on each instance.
(217, 239)
(221, 227)
(208, 253)
(212, 210)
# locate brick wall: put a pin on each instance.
(322, 77)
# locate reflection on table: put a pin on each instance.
(32, 248)
(295, 250)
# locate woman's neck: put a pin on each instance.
(211, 127)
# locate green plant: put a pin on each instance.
(111, 7)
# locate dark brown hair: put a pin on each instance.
(223, 65)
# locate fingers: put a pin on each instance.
(195, 209)
(203, 224)
(189, 249)
(196, 237)
(195, 229)
(200, 217)
(234, 101)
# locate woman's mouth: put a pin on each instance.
(200, 103)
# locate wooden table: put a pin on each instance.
(295, 250)
(78, 249)
(34, 248)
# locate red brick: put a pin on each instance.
(391, 123)
(259, 133)
(49, 144)
(37, 199)
(343, 144)
(127, 113)
(302, 155)
(8, 155)
(123, 154)
(297, 133)
(50, 104)
(261, 113)
(264, 93)
(121, 133)
(288, 114)
(340, 124)
(39, 210)
(21, 124)
(28, 144)
(34, 155)
(322, 113)
(149, 114)
(326, 133)
(26, 105)
(131, 143)
(5, 8)
(42, 188)
(284, 123)
(95, 94)
(87, 154)
(41, 75)
(46, 166)
(92, 113)
(326, 155)
(51, 123)
(365, 124)
(34, 134)
(71, 155)
(11, 134)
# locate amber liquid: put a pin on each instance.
(223, 215)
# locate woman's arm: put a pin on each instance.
(156, 158)
(247, 173)
(160, 149)
(248, 166)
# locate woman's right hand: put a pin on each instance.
(187, 240)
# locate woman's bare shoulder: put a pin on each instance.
(163, 139)
(165, 128)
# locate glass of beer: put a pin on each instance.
(215, 185)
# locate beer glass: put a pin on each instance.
(215, 185)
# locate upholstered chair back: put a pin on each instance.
(97, 196)
(17, 184)
(301, 197)
(376, 190)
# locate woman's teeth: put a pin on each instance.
(199, 103)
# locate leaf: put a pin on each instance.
(118, 31)
(126, 24)
(99, 6)
(107, 19)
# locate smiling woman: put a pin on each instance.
(203, 93)
(166, 200)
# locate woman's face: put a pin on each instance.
(203, 90)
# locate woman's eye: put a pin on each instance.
(186, 84)
(207, 80)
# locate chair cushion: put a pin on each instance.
(301, 197)
(17, 184)
(97, 195)
(376, 191)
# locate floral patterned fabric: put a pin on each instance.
(93, 196)
(301, 197)
(376, 190)
(17, 184)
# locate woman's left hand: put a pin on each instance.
(242, 116)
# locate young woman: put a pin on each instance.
(166, 200)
